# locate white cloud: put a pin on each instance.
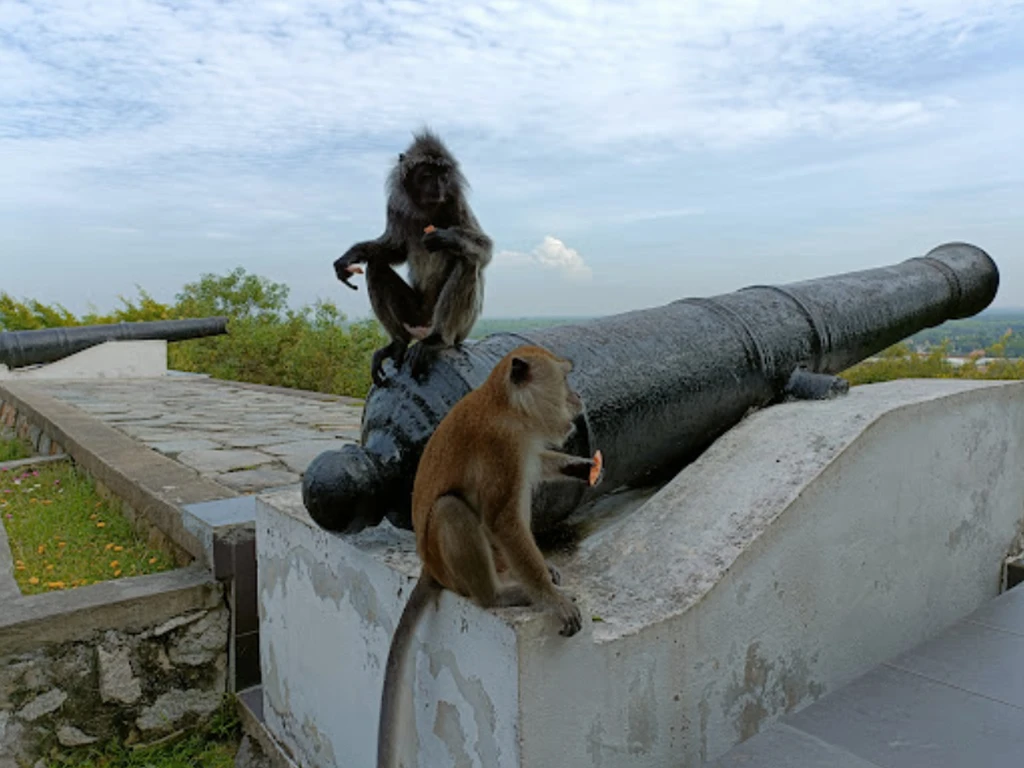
(552, 253)
(270, 125)
(105, 84)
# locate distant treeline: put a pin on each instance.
(998, 332)
(317, 348)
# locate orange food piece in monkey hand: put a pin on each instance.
(354, 270)
(429, 228)
(597, 469)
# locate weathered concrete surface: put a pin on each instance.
(30, 622)
(955, 700)
(356, 604)
(109, 360)
(243, 436)
(813, 541)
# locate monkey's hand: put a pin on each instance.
(442, 240)
(561, 466)
(345, 265)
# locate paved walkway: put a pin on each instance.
(246, 437)
(956, 701)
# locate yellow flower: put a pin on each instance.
(109, 547)
(49, 567)
(40, 549)
(33, 580)
(62, 543)
(118, 549)
(55, 584)
(19, 567)
(114, 563)
(152, 560)
(117, 573)
(101, 524)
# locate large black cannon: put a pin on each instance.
(659, 385)
(20, 348)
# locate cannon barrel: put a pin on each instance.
(658, 385)
(20, 348)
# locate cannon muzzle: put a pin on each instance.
(20, 348)
(658, 385)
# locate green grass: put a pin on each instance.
(212, 746)
(63, 534)
(14, 449)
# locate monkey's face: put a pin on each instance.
(429, 186)
(539, 387)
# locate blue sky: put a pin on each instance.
(622, 154)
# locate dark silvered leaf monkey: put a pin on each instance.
(430, 225)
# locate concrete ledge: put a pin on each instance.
(30, 622)
(250, 711)
(808, 544)
(153, 485)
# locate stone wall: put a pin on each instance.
(26, 430)
(136, 686)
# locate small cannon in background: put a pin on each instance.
(659, 385)
(21, 348)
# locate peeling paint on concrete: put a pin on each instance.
(473, 692)
(448, 728)
(642, 710)
(766, 574)
(327, 615)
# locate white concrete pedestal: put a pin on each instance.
(109, 360)
(810, 543)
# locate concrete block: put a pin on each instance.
(109, 360)
(810, 543)
(210, 520)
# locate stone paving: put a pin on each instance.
(245, 437)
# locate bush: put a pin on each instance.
(900, 362)
(311, 348)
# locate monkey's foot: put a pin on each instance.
(556, 575)
(422, 355)
(569, 613)
(377, 363)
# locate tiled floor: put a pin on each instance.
(247, 438)
(954, 701)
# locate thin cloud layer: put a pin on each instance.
(102, 83)
(167, 136)
(551, 254)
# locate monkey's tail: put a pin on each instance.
(395, 671)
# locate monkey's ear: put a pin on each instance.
(520, 371)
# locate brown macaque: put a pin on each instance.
(471, 506)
